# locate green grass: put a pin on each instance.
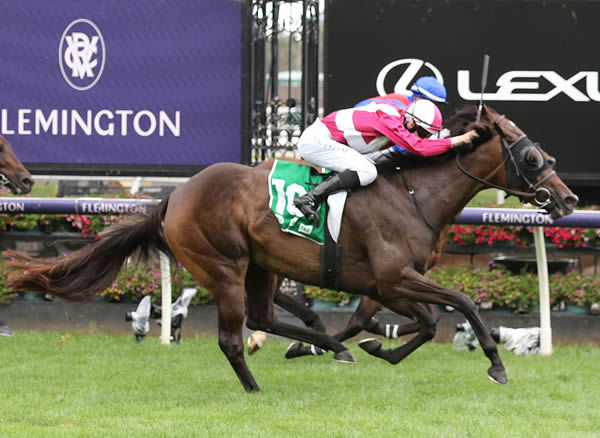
(39, 190)
(97, 385)
(487, 198)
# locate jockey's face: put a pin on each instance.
(422, 133)
(412, 127)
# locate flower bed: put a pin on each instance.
(523, 236)
(519, 293)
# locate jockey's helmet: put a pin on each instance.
(428, 87)
(425, 114)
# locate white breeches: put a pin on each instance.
(318, 147)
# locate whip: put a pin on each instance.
(484, 74)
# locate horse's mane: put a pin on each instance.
(460, 119)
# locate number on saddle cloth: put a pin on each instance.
(286, 181)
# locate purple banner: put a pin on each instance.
(86, 206)
(118, 84)
(522, 216)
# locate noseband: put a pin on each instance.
(515, 153)
(4, 181)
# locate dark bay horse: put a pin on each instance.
(13, 174)
(220, 227)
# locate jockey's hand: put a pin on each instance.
(463, 139)
(472, 135)
(484, 132)
(477, 134)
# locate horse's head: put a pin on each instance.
(525, 169)
(12, 173)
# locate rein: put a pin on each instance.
(545, 196)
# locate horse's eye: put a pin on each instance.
(534, 158)
(551, 161)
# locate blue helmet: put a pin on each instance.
(428, 87)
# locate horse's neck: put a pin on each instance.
(442, 190)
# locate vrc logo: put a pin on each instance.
(81, 54)
(405, 76)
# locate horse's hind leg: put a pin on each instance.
(306, 315)
(231, 306)
(225, 281)
(428, 320)
(262, 317)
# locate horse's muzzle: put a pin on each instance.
(26, 184)
(560, 207)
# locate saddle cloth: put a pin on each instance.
(287, 180)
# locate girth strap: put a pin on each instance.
(330, 262)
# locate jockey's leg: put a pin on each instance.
(354, 169)
(309, 203)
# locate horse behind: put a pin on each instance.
(220, 227)
(13, 174)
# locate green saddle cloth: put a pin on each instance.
(286, 181)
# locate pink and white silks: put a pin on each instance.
(343, 138)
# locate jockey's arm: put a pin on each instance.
(393, 128)
(465, 138)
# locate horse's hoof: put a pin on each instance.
(497, 374)
(293, 350)
(344, 356)
(370, 345)
(256, 341)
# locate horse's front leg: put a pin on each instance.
(416, 287)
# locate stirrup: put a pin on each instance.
(306, 204)
(310, 214)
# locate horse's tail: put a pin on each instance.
(93, 268)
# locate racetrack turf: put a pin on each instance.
(60, 384)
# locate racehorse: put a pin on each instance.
(220, 227)
(13, 174)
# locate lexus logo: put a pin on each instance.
(81, 54)
(404, 72)
(511, 85)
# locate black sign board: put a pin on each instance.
(544, 67)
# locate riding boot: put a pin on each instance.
(309, 203)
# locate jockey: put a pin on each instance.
(351, 141)
(426, 87)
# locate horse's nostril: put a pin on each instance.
(571, 200)
(27, 183)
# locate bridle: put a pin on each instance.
(521, 148)
(4, 181)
